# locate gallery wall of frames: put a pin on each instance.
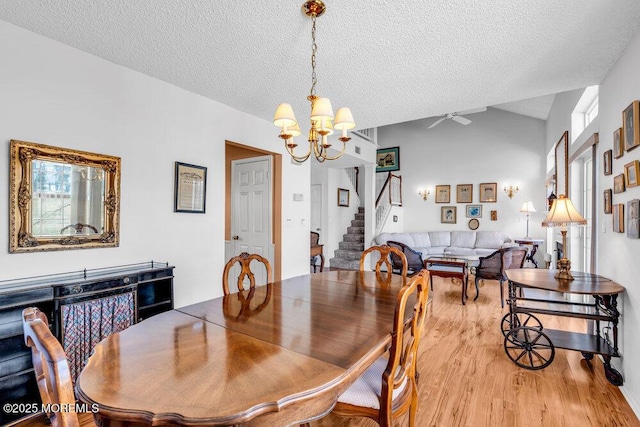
(625, 139)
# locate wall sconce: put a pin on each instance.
(424, 194)
(511, 191)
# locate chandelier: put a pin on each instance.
(322, 118)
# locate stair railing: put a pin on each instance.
(390, 195)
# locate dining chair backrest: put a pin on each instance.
(51, 368)
(385, 251)
(389, 387)
(245, 263)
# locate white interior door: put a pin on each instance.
(251, 210)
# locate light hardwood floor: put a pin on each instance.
(466, 379)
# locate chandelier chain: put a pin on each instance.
(314, 50)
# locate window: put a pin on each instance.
(585, 112)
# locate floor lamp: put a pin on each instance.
(528, 208)
(562, 214)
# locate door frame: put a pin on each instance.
(235, 151)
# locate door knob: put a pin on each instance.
(236, 237)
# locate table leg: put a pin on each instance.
(531, 256)
(322, 263)
(463, 279)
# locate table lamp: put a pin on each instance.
(528, 208)
(562, 214)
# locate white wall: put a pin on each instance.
(617, 254)
(498, 146)
(56, 95)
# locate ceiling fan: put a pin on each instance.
(457, 117)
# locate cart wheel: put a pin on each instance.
(529, 348)
(613, 376)
(587, 356)
(523, 319)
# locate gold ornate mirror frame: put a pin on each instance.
(105, 168)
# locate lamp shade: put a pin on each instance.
(527, 207)
(294, 130)
(563, 213)
(284, 116)
(321, 109)
(344, 119)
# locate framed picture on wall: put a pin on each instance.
(488, 192)
(494, 215)
(443, 194)
(190, 188)
(618, 143)
(343, 197)
(618, 218)
(631, 171)
(464, 193)
(388, 159)
(474, 211)
(631, 125)
(607, 201)
(618, 184)
(633, 219)
(607, 162)
(448, 214)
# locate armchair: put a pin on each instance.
(414, 258)
(492, 267)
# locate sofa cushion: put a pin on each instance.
(440, 238)
(432, 251)
(454, 250)
(421, 239)
(491, 239)
(405, 238)
(463, 239)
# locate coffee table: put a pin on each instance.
(453, 266)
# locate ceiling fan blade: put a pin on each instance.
(475, 110)
(437, 122)
(461, 120)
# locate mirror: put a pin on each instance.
(62, 199)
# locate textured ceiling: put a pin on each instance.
(390, 61)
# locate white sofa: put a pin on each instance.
(438, 243)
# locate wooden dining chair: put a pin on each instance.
(245, 262)
(388, 388)
(50, 366)
(385, 252)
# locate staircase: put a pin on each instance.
(352, 245)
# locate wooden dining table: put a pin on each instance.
(278, 355)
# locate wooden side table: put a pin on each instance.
(534, 243)
(453, 266)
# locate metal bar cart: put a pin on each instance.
(531, 346)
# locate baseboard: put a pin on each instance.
(631, 399)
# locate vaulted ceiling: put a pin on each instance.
(390, 61)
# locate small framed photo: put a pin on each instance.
(474, 211)
(494, 215)
(633, 219)
(631, 171)
(607, 201)
(618, 218)
(190, 189)
(464, 193)
(343, 197)
(448, 214)
(618, 143)
(618, 184)
(443, 194)
(631, 124)
(607, 156)
(488, 192)
(388, 159)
